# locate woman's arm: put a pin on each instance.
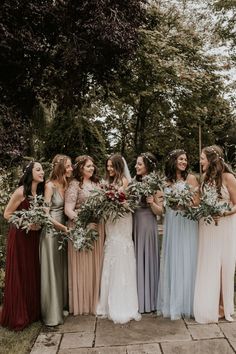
(71, 199)
(16, 198)
(156, 203)
(230, 182)
(193, 183)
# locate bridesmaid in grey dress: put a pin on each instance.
(54, 290)
(146, 238)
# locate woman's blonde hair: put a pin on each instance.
(59, 169)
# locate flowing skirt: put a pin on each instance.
(178, 266)
(118, 296)
(21, 305)
(84, 275)
(215, 271)
(147, 258)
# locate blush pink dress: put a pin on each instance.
(84, 267)
(216, 267)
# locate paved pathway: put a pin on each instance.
(151, 335)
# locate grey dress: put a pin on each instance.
(54, 290)
(147, 257)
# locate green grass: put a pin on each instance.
(19, 342)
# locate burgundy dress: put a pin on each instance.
(21, 305)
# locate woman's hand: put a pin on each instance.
(65, 229)
(216, 218)
(150, 199)
(92, 226)
(34, 227)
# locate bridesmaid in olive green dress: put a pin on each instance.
(54, 289)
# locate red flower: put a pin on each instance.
(110, 195)
(122, 197)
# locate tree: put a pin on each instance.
(56, 49)
(74, 133)
(170, 87)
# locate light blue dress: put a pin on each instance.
(178, 266)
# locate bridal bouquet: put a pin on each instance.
(106, 202)
(210, 205)
(179, 197)
(82, 238)
(148, 186)
(36, 214)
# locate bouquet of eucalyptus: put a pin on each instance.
(179, 197)
(148, 186)
(106, 202)
(82, 238)
(210, 205)
(36, 214)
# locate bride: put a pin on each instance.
(118, 293)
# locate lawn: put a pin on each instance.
(19, 342)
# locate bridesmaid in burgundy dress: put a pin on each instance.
(21, 304)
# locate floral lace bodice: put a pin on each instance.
(75, 196)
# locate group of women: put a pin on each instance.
(124, 275)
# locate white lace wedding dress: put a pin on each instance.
(118, 294)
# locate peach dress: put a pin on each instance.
(216, 267)
(84, 267)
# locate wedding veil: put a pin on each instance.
(126, 171)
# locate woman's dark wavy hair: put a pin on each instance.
(217, 166)
(150, 162)
(171, 165)
(118, 166)
(27, 178)
(80, 162)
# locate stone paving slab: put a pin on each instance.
(213, 346)
(77, 340)
(229, 330)
(149, 329)
(46, 343)
(205, 331)
(151, 335)
(153, 348)
(78, 324)
(102, 350)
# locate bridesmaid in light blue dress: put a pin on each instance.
(179, 247)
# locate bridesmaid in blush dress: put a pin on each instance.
(54, 285)
(84, 267)
(21, 305)
(146, 238)
(214, 290)
(179, 246)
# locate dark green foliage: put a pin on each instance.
(74, 134)
(54, 50)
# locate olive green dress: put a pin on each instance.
(54, 289)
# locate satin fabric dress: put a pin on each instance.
(54, 284)
(146, 245)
